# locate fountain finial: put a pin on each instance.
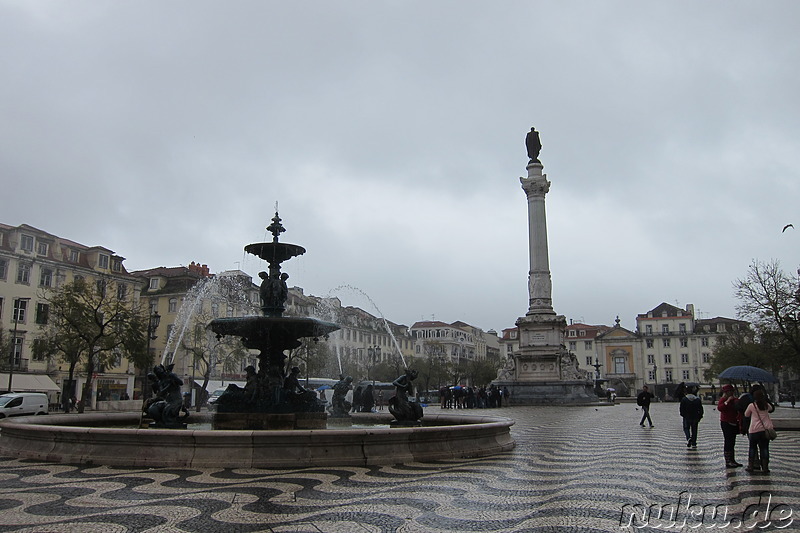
(276, 228)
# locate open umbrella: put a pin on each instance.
(747, 373)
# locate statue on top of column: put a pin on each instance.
(533, 144)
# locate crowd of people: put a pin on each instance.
(746, 414)
(459, 397)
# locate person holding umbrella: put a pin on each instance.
(729, 421)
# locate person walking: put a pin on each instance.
(368, 399)
(692, 411)
(357, 400)
(729, 421)
(643, 401)
(760, 422)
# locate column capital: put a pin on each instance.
(536, 183)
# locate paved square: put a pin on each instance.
(574, 469)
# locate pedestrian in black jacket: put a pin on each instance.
(692, 412)
(643, 401)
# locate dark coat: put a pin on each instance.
(691, 407)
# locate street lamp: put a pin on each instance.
(597, 366)
(655, 378)
(19, 309)
(152, 325)
(374, 357)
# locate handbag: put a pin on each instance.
(770, 433)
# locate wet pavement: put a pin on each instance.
(590, 469)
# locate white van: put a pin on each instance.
(23, 403)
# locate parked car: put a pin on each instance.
(215, 396)
(23, 403)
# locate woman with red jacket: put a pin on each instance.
(729, 421)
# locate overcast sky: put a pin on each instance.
(392, 136)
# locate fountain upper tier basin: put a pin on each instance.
(256, 331)
(274, 252)
(91, 439)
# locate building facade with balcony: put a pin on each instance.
(181, 302)
(33, 263)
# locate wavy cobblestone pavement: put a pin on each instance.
(575, 469)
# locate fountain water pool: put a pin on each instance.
(96, 439)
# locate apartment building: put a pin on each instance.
(33, 263)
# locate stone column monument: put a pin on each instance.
(541, 371)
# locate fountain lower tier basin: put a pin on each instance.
(91, 439)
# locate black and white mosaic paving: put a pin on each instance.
(574, 469)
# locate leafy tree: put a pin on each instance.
(737, 348)
(91, 322)
(315, 359)
(481, 372)
(207, 351)
(770, 299)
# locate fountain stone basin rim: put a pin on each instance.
(87, 439)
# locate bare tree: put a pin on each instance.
(770, 299)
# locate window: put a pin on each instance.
(649, 343)
(116, 265)
(41, 248)
(706, 357)
(667, 358)
(619, 365)
(704, 341)
(101, 287)
(666, 343)
(685, 375)
(24, 274)
(582, 333)
(684, 343)
(665, 329)
(173, 305)
(3, 268)
(122, 291)
(42, 311)
(651, 375)
(153, 307)
(589, 360)
(153, 284)
(587, 345)
(1, 307)
(39, 349)
(74, 256)
(46, 278)
(684, 358)
(102, 261)
(668, 375)
(572, 333)
(682, 328)
(651, 359)
(648, 329)
(573, 345)
(26, 243)
(20, 310)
